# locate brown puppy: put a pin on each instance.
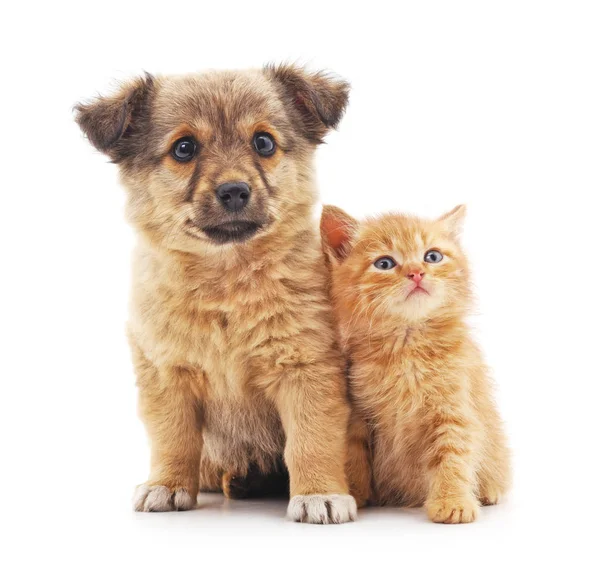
(231, 329)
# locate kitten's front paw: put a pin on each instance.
(322, 508)
(157, 498)
(452, 510)
(490, 496)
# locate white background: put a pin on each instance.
(492, 104)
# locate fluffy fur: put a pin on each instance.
(425, 417)
(233, 342)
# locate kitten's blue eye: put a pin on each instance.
(384, 263)
(433, 256)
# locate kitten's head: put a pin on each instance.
(396, 265)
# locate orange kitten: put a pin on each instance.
(401, 290)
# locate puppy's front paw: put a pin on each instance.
(453, 510)
(157, 498)
(322, 508)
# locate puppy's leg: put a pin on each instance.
(311, 400)
(211, 476)
(169, 412)
(358, 465)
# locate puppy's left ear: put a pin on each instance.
(337, 231)
(111, 122)
(316, 101)
(454, 220)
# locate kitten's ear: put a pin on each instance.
(316, 100)
(454, 220)
(108, 120)
(337, 231)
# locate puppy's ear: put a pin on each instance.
(109, 121)
(316, 101)
(337, 232)
(454, 220)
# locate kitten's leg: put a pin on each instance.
(358, 465)
(494, 474)
(451, 469)
(489, 492)
(168, 409)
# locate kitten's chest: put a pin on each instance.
(391, 383)
(390, 396)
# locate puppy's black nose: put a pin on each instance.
(234, 196)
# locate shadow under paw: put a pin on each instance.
(256, 484)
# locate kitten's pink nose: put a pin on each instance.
(416, 276)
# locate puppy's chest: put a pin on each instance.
(217, 335)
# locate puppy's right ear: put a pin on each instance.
(109, 121)
(316, 101)
(337, 231)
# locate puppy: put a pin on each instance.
(231, 330)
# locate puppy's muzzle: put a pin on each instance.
(233, 196)
(230, 213)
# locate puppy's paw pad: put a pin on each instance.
(322, 508)
(453, 511)
(157, 498)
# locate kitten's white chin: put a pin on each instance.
(416, 306)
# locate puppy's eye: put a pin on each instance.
(384, 263)
(184, 149)
(433, 256)
(264, 144)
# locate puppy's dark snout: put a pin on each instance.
(234, 196)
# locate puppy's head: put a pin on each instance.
(215, 158)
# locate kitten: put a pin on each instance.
(401, 291)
